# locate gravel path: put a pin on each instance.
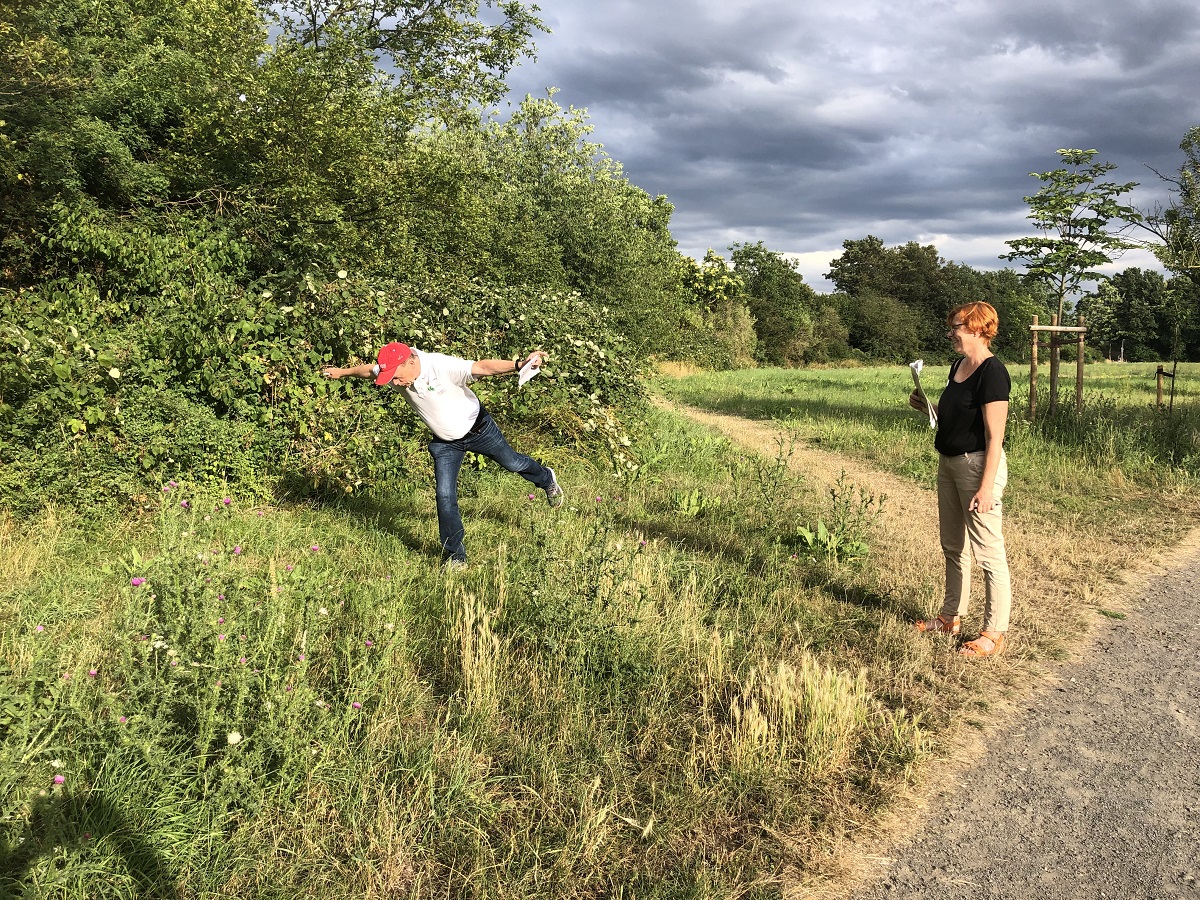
(1092, 788)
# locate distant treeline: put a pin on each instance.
(203, 202)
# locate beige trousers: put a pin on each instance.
(957, 481)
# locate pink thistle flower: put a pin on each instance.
(315, 547)
(92, 673)
(184, 504)
(66, 676)
(39, 628)
(242, 660)
(370, 643)
(221, 597)
(531, 496)
(300, 658)
(136, 582)
(237, 551)
(220, 637)
(60, 779)
(356, 705)
(166, 488)
(260, 513)
(288, 567)
(122, 720)
(227, 501)
(221, 620)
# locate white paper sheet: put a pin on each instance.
(528, 371)
(916, 367)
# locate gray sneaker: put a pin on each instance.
(456, 565)
(554, 493)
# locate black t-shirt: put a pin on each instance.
(960, 409)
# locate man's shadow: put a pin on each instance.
(393, 515)
(64, 826)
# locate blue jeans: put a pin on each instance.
(447, 460)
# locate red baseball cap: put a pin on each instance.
(391, 357)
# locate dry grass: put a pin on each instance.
(24, 549)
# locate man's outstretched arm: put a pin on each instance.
(366, 370)
(482, 368)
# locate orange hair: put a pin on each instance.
(979, 317)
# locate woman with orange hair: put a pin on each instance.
(972, 473)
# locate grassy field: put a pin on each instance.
(674, 686)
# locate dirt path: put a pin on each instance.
(1090, 787)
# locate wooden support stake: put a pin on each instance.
(1079, 368)
(1054, 360)
(1033, 374)
(1159, 376)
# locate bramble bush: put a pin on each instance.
(149, 366)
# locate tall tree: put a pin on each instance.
(1076, 215)
(441, 56)
(1127, 316)
(1174, 228)
(912, 274)
(780, 302)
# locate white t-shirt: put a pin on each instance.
(440, 395)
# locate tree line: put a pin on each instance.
(203, 202)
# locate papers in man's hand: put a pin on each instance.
(531, 368)
(916, 367)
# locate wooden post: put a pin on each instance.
(1079, 369)
(1033, 373)
(1160, 378)
(1054, 359)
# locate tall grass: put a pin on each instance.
(631, 695)
(654, 691)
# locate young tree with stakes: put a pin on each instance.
(1073, 211)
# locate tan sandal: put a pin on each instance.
(989, 643)
(940, 625)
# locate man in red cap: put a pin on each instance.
(436, 386)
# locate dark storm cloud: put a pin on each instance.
(919, 121)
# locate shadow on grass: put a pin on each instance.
(92, 831)
(394, 515)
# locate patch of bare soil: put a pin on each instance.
(1087, 785)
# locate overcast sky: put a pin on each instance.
(804, 125)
